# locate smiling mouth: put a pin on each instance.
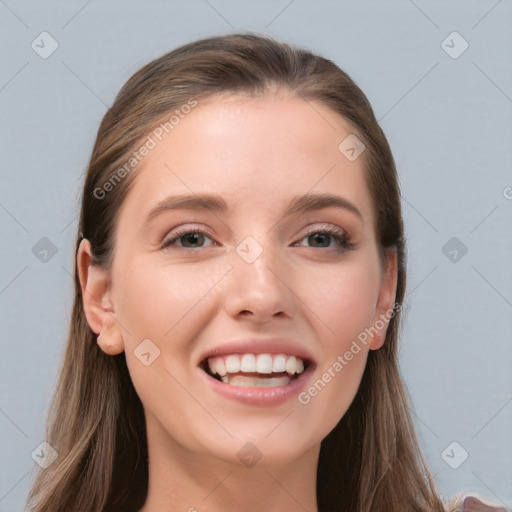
(257, 370)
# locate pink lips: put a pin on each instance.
(253, 395)
(260, 395)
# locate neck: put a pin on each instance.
(185, 481)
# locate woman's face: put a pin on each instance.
(270, 252)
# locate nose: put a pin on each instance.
(260, 290)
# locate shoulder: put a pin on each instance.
(472, 502)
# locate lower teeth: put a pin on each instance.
(246, 380)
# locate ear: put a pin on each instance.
(99, 311)
(384, 309)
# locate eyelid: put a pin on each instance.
(184, 229)
(325, 226)
(340, 235)
(187, 228)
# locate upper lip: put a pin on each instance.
(260, 346)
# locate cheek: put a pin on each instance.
(345, 302)
(160, 303)
(346, 305)
(168, 305)
(332, 392)
(157, 300)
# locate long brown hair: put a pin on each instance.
(371, 461)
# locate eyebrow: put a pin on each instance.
(215, 203)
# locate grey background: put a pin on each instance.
(449, 123)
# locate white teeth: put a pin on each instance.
(245, 380)
(291, 365)
(247, 363)
(279, 364)
(221, 367)
(232, 364)
(264, 364)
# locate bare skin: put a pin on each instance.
(199, 293)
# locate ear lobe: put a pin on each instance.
(384, 309)
(98, 309)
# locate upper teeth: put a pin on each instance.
(255, 363)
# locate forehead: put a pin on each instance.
(253, 151)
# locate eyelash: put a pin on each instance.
(340, 237)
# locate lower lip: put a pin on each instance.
(255, 395)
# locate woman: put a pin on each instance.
(240, 270)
